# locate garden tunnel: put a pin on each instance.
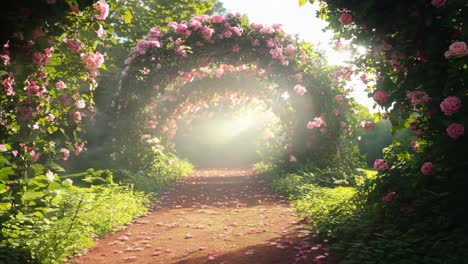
(195, 63)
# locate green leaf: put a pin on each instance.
(32, 195)
(5, 172)
(302, 2)
(127, 17)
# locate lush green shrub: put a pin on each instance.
(70, 222)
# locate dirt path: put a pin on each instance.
(214, 216)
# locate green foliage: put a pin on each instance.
(69, 223)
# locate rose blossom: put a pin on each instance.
(367, 125)
(455, 130)
(60, 85)
(450, 105)
(40, 59)
(380, 96)
(73, 44)
(346, 18)
(8, 85)
(438, 3)
(92, 60)
(343, 124)
(66, 153)
(380, 165)
(339, 97)
(427, 169)
(290, 49)
(103, 9)
(78, 148)
(299, 89)
(456, 49)
(292, 159)
(388, 197)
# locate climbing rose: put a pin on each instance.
(343, 124)
(73, 44)
(66, 153)
(318, 122)
(79, 148)
(217, 18)
(3, 148)
(418, 97)
(450, 105)
(346, 18)
(456, 49)
(438, 3)
(60, 85)
(80, 103)
(299, 89)
(380, 96)
(427, 169)
(290, 49)
(339, 97)
(103, 9)
(40, 59)
(292, 159)
(100, 32)
(388, 197)
(380, 165)
(455, 130)
(92, 60)
(367, 125)
(8, 85)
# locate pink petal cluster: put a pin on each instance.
(380, 96)
(79, 148)
(438, 3)
(427, 169)
(346, 18)
(318, 122)
(292, 159)
(290, 49)
(380, 165)
(450, 105)
(456, 130)
(300, 90)
(339, 97)
(456, 50)
(66, 153)
(418, 97)
(60, 85)
(8, 85)
(103, 8)
(367, 125)
(40, 59)
(388, 197)
(92, 60)
(73, 44)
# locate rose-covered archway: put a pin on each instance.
(166, 70)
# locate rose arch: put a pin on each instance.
(172, 73)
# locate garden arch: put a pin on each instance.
(166, 64)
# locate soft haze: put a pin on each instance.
(299, 20)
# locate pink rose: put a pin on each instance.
(92, 60)
(60, 85)
(300, 90)
(343, 124)
(290, 49)
(367, 125)
(438, 3)
(380, 165)
(339, 97)
(298, 77)
(427, 169)
(66, 153)
(455, 130)
(76, 116)
(183, 30)
(380, 96)
(103, 9)
(73, 44)
(457, 49)
(388, 197)
(40, 59)
(418, 97)
(217, 19)
(292, 159)
(78, 148)
(8, 85)
(100, 32)
(450, 105)
(207, 33)
(318, 122)
(346, 18)
(38, 32)
(3, 148)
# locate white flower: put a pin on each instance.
(50, 176)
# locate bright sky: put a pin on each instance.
(297, 20)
